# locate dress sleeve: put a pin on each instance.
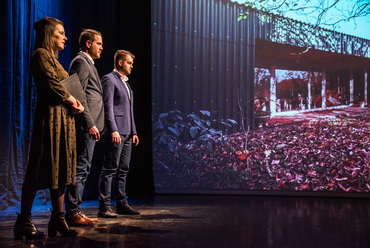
(48, 73)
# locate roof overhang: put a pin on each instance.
(290, 57)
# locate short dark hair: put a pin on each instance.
(87, 34)
(121, 55)
(45, 28)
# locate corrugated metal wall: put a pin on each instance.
(203, 58)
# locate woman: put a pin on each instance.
(52, 159)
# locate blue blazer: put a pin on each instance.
(118, 107)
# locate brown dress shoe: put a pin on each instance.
(85, 216)
(80, 219)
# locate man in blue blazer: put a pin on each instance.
(89, 124)
(121, 132)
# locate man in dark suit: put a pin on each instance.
(89, 124)
(121, 133)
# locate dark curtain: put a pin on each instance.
(18, 93)
(124, 25)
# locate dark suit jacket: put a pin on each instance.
(119, 113)
(93, 114)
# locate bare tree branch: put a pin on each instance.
(321, 12)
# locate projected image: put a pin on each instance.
(317, 150)
(272, 113)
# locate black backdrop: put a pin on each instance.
(124, 25)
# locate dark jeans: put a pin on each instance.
(114, 170)
(85, 150)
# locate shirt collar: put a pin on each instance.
(89, 57)
(124, 78)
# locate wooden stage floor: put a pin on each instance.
(177, 221)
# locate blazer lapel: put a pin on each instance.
(97, 78)
(118, 76)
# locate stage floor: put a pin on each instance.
(178, 221)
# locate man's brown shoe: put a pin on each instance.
(80, 219)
